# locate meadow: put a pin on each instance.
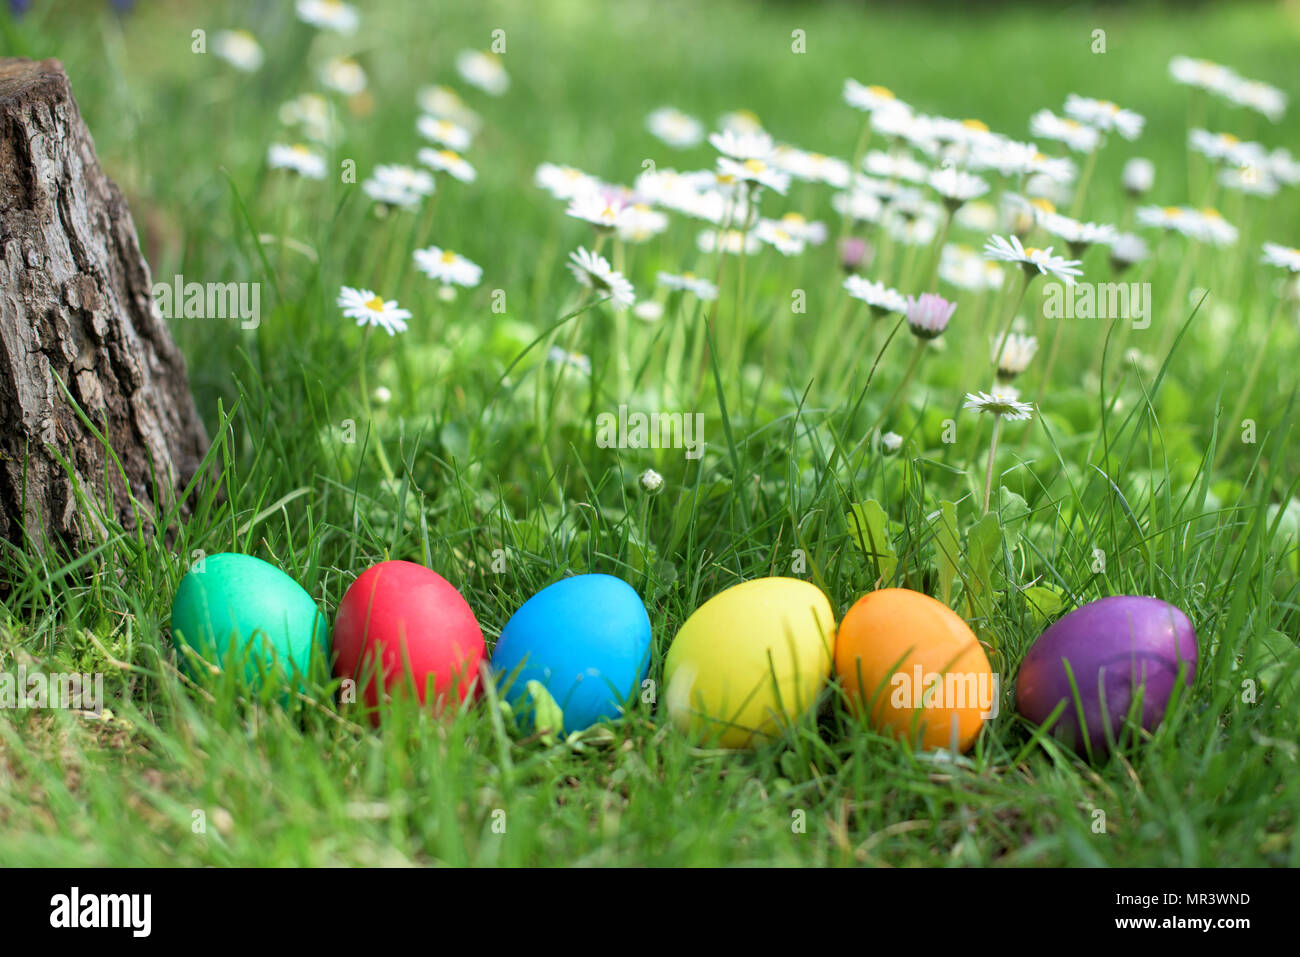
(484, 439)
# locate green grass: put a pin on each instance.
(489, 452)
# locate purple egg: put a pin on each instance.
(1114, 646)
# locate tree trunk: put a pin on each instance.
(80, 338)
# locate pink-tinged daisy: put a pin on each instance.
(1104, 115)
(674, 127)
(1009, 249)
(1276, 254)
(927, 316)
(594, 272)
(329, 15)
(445, 132)
(448, 161)
(483, 70)
(298, 158)
(369, 309)
(877, 295)
(447, 267)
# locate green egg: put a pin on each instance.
(231, 604)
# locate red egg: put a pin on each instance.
(409, 627)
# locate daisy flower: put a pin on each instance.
(594, 272)
(1139, 176)
(956, 187)
(891, 442)
(1213, 228)
(689, 282)
(1104, 115)
(740, 121)
(1002, 402)
(813, 233)
(445, 103)
(858, 205)
(733, 241)
(298, 158)
(895, 166)
(640, 223)
(1078, 235)
(1127, 249)
(447, 161)
(1227, 148)
(1011, 158)
(811, 167)
(1075, 135)
(1278, 255)
(964, 268)
(1010, 250)
(1284, 167)
(869, 98)
(1176, 218)
(565, 182)
(239, 48)
(369, 309)
(445, 132)
(1013, 353)
(343, 75)
(447, 267)
(650, 481)
(675, 127)
(401, 186)
(1251, 180)
(483, 70)
(775, 235)
(980, 216)
(313, 113)
(927, 317)
(911, 228)
(604, 208)
(574, 360)
(648, 310)
(877, 295)
(1203, 74)
(745, 158)
(328, 15)
(1260, 97)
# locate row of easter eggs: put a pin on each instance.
(747, 662)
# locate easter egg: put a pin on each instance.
(1114, 647)
(585, 639)
(231, 604)
(749, 660)
(916, 667)
(401, 626)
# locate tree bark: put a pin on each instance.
(79, 335)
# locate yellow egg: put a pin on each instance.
(919, 666)
(749, 660)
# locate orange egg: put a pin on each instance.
(918, 666)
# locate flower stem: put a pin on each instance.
(917, 353)
(988, 472)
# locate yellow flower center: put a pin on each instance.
(450, 156)
(817, 157)
(1228, 138)
(1173, 211)
(976, 125)
(793, 218)
(1032, 251)
(301, 150)
(1044, 204)
(1211, 212)
(448, 256)
(881, 91)
(755, 165)
(376, 304)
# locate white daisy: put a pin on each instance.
(640, 223)
(1284, 167)
(447, 267)
(565, 182)
(1139, 176)
(239, 48)
(1075, 135)
(594, 272)
(369, 309)
(1104, 116)
(675, 127)
(1011, 158)
(869, 98)
(732, 241)
(859, 205)
(314, 114)
(877, 295)
(648, 310)
(689, 282)
(298, 158)
(1010, 250)
(1202, 73)
(1013, 353)
(1278, 255)
(1127, 249)
(742, 146)
(1251, 180)
(813, 233)
(778, 237)
(483, 70)
(1074, 232)
(402, 186)
(891, 442)
(343, 75)
(1227, 148)
(811, 167)
(650, 481)
(911, 228)
(956, 187)
(605, 209)
(447, 161)
(740, 122)
(746, 159)
(449, 134)
(445, 103)
(964, 268)
(978, 216)
(895, 166)
(1257, 96)
(329, 15)
(1001, 401)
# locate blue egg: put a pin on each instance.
(586, 639)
